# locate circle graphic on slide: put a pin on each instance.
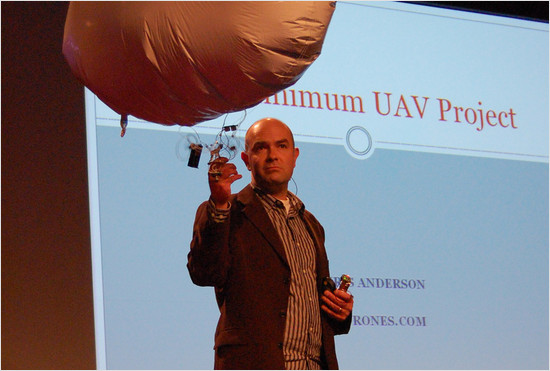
(359, 142)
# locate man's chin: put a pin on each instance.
(277, 181)
(272, 184)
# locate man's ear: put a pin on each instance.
(296, 154)
(244, 157)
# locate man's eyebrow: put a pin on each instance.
(259, 142)
(263, 142)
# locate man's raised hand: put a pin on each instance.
(221, 175)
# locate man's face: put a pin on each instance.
(270, 156)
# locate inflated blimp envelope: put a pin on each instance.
(180, 63)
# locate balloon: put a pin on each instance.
(190, 61)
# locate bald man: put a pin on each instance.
(264, 254)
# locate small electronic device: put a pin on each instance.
(194, 155)
(345, 282)
(328, 284)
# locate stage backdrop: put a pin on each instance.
(424, 153)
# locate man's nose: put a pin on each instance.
(271, 154)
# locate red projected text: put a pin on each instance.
(399, 105)
(477, 117)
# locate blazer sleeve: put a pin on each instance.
(208, 260)
(341, 328)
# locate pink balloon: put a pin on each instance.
(190, 61)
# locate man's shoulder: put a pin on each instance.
(244, 196)
(308, 214)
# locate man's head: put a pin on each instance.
(270, 155)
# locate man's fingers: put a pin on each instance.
(337, 304)
(344, 295)
(338, 313)
(229, 169)
(338, 296)
(235, 177)
(332, 301)
(219, 160)
(221, 170)
(230, 172)
(217, 164)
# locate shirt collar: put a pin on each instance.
(295, 202)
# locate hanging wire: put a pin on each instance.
(295, 186)
(226, 142)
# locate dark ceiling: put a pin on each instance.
(532, 10)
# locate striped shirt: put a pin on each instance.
(302, 338)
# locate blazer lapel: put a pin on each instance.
(254, 211)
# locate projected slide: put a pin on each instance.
(423, 137)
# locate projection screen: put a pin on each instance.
(423, 136)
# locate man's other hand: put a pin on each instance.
(337, 304)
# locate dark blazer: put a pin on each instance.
(244, 260)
